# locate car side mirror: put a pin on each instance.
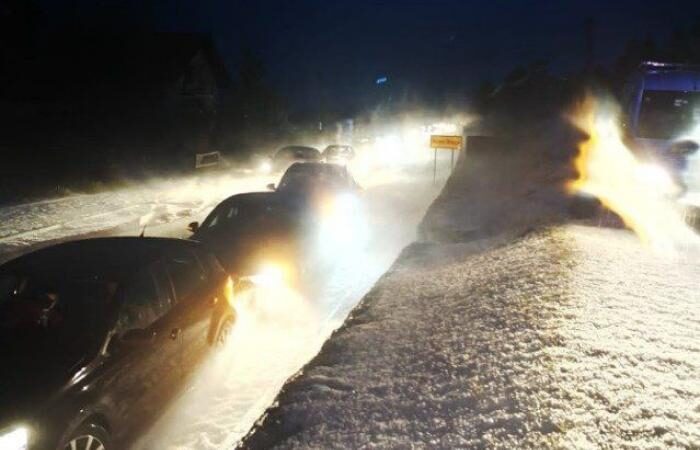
(138, 337)
(193, 227)
(271, 186)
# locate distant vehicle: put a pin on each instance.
(98, 335)
(286, 156)
(661, 104)
(246, 230)
(316, 178)
(338, 153)
(327, 199)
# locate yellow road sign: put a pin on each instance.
(445, 142)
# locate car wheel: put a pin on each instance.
(224, 332)
(89, 437)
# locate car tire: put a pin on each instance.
(88, 436)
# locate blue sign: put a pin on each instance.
(382, 80)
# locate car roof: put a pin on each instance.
(318, 166)
(249, 198)
(298, 148)
(110, 258)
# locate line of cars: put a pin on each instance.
(285, 229)
(98, 335)
(285, 156)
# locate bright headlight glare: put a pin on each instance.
(265, 167)
(656, 177)
(345, 203)
(16, 438)
(269, 275)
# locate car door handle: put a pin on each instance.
(174, 333)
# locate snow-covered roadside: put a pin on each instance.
(511, 328)
(548, 341)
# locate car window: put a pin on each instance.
(164, 286)
(186, 273)
(223, 215)
(141, 306)
(215, 217)
(211, 264)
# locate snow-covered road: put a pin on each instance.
(276, 334)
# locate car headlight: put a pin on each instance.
(339, 207)
(345, 204)
(269, 275)
(265, 167)
(15, 438)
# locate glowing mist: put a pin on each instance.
(639, 193)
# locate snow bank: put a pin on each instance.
(548, 341)
(532, 334)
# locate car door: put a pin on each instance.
(195, 295)
(145, 370)
(220, 232)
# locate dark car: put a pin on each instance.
(247, 228)
(329, 203)
(286, 156)
(338, 153)
(316, 178)
(98, 335)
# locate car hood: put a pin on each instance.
(239, 248)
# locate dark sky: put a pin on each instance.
(340, 47)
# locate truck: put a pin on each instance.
(661, 122)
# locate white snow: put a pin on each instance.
(511, 328)
(571, 337)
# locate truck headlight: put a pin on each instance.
(14, 438)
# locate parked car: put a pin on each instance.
(98, 335)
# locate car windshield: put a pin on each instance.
(304, 175)
(668, 114)
(41, 316)
(337, 150)
(298, 153)
(237, 213)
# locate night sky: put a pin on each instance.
(341, 47)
